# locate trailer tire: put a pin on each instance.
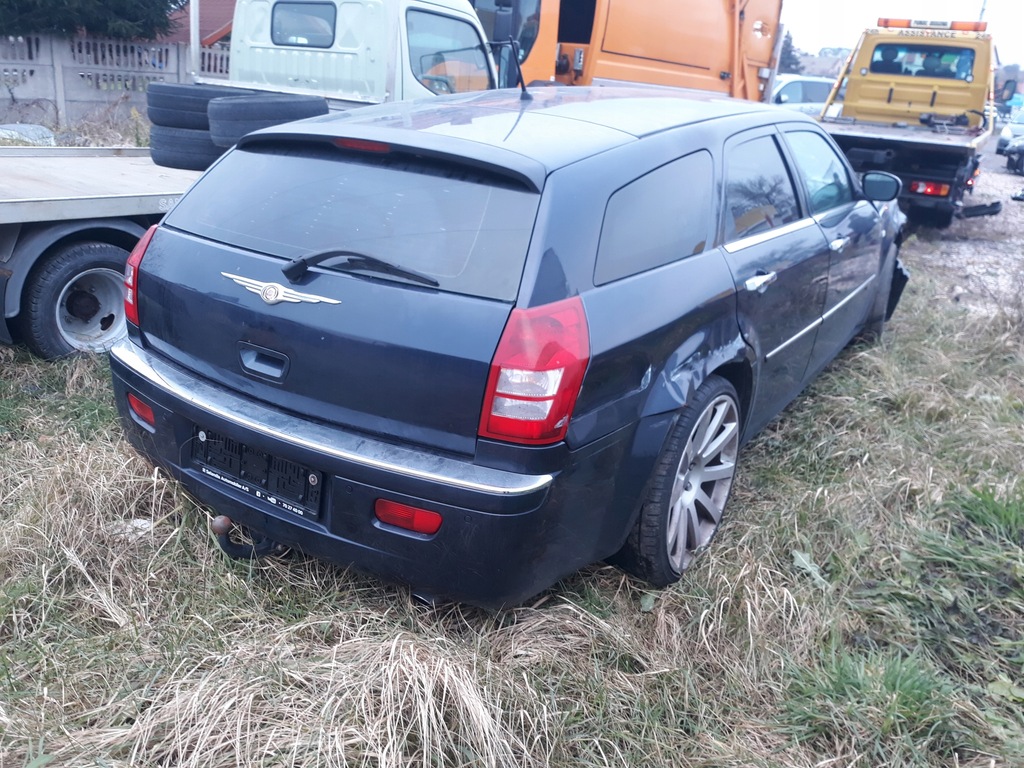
(232, 117)
(185, 148)
(183, 105)
(74, 301)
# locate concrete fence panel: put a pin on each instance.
(62, 81)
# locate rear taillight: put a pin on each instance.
(536, 374)
(131, 277)
(930, 188)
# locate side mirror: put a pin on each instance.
(502, 24)
(1009, 88)
(881, 186)
(781, 98)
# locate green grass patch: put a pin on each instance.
(862, 605)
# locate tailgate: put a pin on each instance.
(394, 339)
(377, 356)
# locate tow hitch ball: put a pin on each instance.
(256, 546)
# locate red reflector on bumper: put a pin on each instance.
(409, 518)
(142, 410)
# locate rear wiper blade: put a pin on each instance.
(353, 260)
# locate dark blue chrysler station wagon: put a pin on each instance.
(472, 344)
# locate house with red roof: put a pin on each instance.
(214, 22)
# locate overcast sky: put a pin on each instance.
(817, 24)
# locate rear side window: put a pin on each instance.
(467, 229)
(657, 219)
(759, 194)
(307, 25)
(446, 54)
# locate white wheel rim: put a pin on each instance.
(90, 310)
(702, 481)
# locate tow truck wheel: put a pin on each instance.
(74, 301)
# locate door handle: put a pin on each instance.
(760, 282)
(838, 244)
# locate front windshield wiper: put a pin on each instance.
(353, 260)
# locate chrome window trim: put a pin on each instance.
(331, 441)
(764, 237)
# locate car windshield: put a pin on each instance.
(466, 229)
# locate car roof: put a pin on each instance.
(554, 127)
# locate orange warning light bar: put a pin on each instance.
(956, 26)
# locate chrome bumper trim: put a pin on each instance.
(332, 441)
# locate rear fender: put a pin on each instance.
(673, 387)
(703, 354)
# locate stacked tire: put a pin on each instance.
(194, 124)
(180, 136)
(234, 116)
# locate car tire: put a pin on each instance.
(74, 301)
(183, 105)
(233, 117)
(185, 148)
(689, 487)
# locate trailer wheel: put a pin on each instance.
(182, 148)
(74, 301)
(183, 105)
(233, 117)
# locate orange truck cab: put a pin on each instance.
(714, 45)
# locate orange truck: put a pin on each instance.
(714, 45)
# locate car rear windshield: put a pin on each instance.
(466, 228)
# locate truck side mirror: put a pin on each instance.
(1009, 88)
(502, 24)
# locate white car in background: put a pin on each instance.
(805, 93)
(1012, 130)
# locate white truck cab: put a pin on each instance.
(360, 51)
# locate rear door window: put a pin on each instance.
(657, 219)
(467, 229)
(759, 193)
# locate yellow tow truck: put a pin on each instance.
(916, 102)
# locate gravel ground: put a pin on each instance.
(978, 262)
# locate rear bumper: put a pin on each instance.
(505, 536)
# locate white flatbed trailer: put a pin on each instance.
(69, 217)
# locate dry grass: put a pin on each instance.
(864, 605)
